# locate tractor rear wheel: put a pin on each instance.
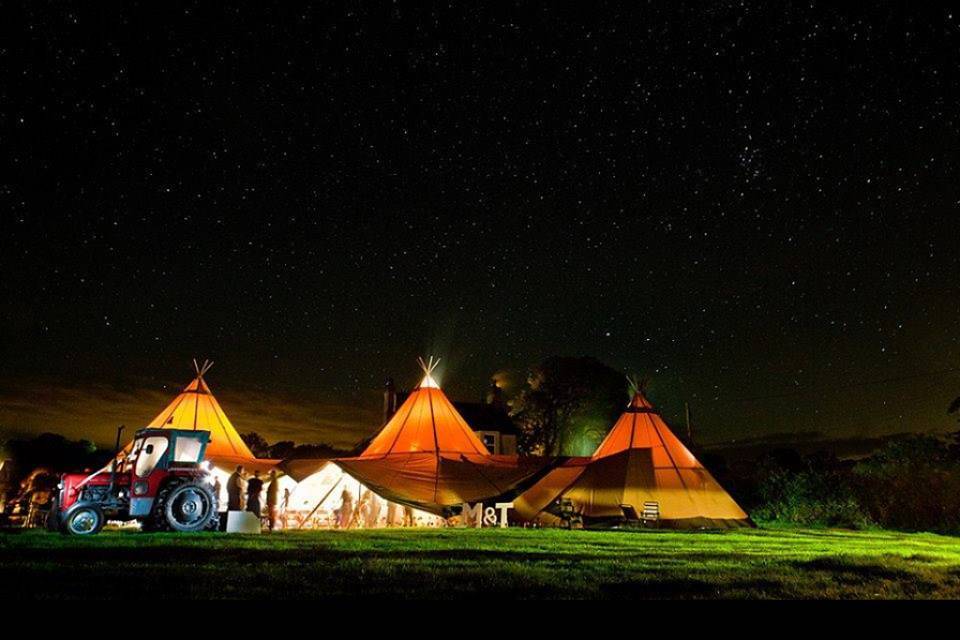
(185, 507)
(83, 520)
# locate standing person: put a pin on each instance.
(236, 487)
(345, 513)
(393, 519)
(5, 484)
(273, 498)
(371, 516)
(284, 508)
(254, 487)
(362, 508)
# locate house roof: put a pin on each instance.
(486, 417)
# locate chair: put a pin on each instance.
(651, 512)
(570, 518)
(649, 516)
(630, 515)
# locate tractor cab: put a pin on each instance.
(164, 449)
(155, 456)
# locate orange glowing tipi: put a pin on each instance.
(196, 408)
(427, 421)
(427, 456)
(640, 461)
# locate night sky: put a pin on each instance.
(755, 205)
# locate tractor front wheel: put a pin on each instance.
(83, 520)
(190, 506)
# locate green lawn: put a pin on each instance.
(451, 563)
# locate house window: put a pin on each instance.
(489, 441)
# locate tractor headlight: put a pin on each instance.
(140, 488)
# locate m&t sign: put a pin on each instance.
(478, 516)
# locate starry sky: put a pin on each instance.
(754, 204)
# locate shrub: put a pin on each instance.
(913, 484)
(810, 497)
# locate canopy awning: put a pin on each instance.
(436, 482)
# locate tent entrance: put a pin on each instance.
(331, 498)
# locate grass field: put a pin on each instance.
(514, 563)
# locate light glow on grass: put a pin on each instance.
(450, 563)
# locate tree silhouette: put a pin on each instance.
(567, 405)
(257, 444)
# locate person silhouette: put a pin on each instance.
(254, 487)
(273, 499)
(236, 486)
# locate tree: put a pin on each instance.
(282, 450)
(567, 405)
(321, 450)
(257, 444)
(49, 451)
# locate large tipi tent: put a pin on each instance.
(196, 408)
(427, 457)
(639, 461)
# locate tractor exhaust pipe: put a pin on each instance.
(113, 464)
(116, 446)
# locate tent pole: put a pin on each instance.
(322, 500)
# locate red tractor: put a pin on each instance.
(161, 482)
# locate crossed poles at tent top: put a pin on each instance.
(202, 369)
(637, 384)
(429, 365)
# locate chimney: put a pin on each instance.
(495, 396)
(389, 400)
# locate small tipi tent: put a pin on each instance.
(197, 408)
(427, 456)
(640, 461)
